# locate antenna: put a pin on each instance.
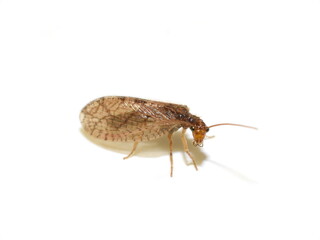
(232, 124)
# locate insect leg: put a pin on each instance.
(185, 146)
(133, 150)
(171, 158)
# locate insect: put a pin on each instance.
(135, 119)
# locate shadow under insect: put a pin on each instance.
(155, 148)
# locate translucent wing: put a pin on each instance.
(130, 119)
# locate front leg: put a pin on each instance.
(185, 146)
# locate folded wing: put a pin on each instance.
(130, 119)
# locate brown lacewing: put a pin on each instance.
(135, 119)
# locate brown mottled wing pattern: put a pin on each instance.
(130, 119)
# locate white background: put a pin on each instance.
(247, 62)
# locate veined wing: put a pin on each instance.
(130, 119)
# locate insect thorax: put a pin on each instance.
(192, 120)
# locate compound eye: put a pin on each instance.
(207, 130)
(192, 128)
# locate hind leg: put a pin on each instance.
(135, 144)
(171, 157)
